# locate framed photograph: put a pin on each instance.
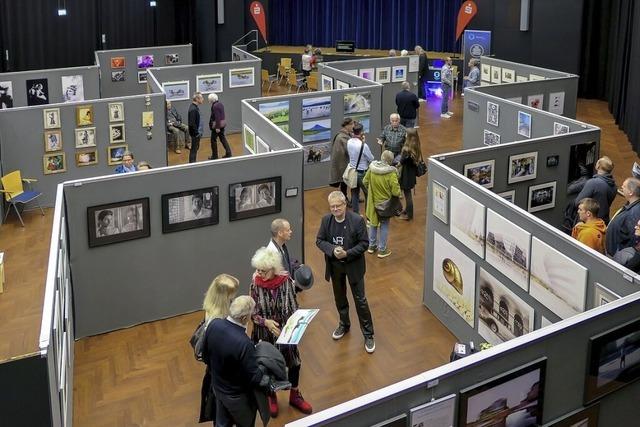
(437, 413)
(557, 281)
(86, 158)
(115, 153)
(467, 221)
(327, 83)
(342, 85)
(559, 128)
(613, 360)
(533, 77)
(118, 222)
(72, 88)
(54, 163)
(485, 72)
(53, 140)
(142, 77)
(317, 153)
(508, 249)
(147, 119)
(277, 112)
(542, 196)
(583, 417)
(399, 73)
(84, 115)
(414, 63)
(490, 138)
(367, 73)
(364, 120)
(116, 133)
(176, 91)
(398, 421)
(240, 77)
(481, 172)
(383, 74)
(493, 113)
(37, 91)
(171, 59)
(6, 95)
(255, 198)
(535, 101)
(508, 76)
(352, 72)
(517, 99)
(553, 160)
(118, 76)
(284, 127)
(116, 111)
(209, 83)
(357, 102)
(144, 61)
(316, 130)
(440, 201)
(523, 167)
(524, 124)
(518, 393)
(85, 137)
(509, 196)
(262, 146)
(496, 74)
(314, 108)
(118, 62)
(190, 209)
(249, 139)
(520, 79)
(51, 117)
(556, 103)
(602, 295)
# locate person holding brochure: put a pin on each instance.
(273, 291)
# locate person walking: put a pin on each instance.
(340, 156)
(446, 80)
(409, 157)
(195, 125)
(407, 105)
(217, 124)
(360, 157)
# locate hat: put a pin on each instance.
(304, 277)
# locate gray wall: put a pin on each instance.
(164, 275)
(131, 86)
(24, 401)
(22, 136)
(90, 81)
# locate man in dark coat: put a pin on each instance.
(408, 104)
(195, 125)
(601, 187)
(620, 232)
(340, 156)
(217, 124)
(423, 67)
(343, 240)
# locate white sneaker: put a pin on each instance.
(445, 116)
(449, 113)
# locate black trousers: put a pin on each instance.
(214, 145)
(239, 410)
(195, 145)
(339, 282)
(408, 207)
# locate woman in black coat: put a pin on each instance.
(409, 158)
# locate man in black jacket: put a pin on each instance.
(601, 187)
(195, 125)
(620, 232)
(423, 67)
(343, 240)
(408, 104)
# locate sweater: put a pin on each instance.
(591, 233)
(381, 181)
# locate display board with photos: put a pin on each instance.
(467, 221)
(437, 413)
(118, 222)
(277, 111)
(210, 83)
(241, 77)
(583, 417)
(190, 209)
(254, 198)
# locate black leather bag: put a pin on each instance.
(388, 208)
(421, 167)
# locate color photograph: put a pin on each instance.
(508, 249)
(523, 167)
(535, 101)
(176, 91)
(367, 73)
(481, 172)
(467, 221)
(509, 196)
(490, 138)
(6, 95)
(85, 137)
(316, 130)
(190, 209)
(53, 140)
(317, 153)
(542, 196)
(51, 118)
(116, 111)
(493, 113)
(147, 119)
(314, 108)
(118, 222)
(383, 74)
(255, 198)
(440, 202)
(84, 115)
(399, 73)
(116, 133)
(249, 139)
(240, 77)
(37, 92)
(145, 61)
(364, 120)
(115, 153)
(277, 112)
(142, 77)
(54, 163)
(327, 83)
(72, 88)
(118, 62)
(86, 158)
(357, 102)
(209, 83)
(171, 59)
(524, 124)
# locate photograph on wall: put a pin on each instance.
(440, 202)
(72, 88)
(37, 91)
(613, 360)
(190, 209)
(493, 113)
(51, 117)
(513, 399)
(485, 72)
(313, 108)
(240, 77)
(581, 156)
(414, 63)
(255, 198)
(524, 124)
(523, 167)
(86, 158)
(116, 133)
(383, 74)
(602, 295)
(364, 120)
(342, 85)
(144, 61)
(542, 196)
(509, 196)
(85, 137)
(277, 112)
(481, 172)
(249, 137)
(436, 413)
(115, 153)
(176, 91)
(142, 77)
(357, 102)
(209, 83)
(520, 79)
(327, 83)
(496, 74)
(118, 222)
(399, 73)
(171, 59)
(557, 281)
(118, 76)
(397, 421)
(454, 277)
(262, 146)
(84, 115)
(490, 138)
(53, 140)
(583, 417)
(118, 62)
(317, 153)
(556, 103)
(508, 76)
(284, 127)
(535, 101)
(316, 130)
(147, 119)
(517, 99)
(116, 111)
(502, 315)
(54, 163)
(367, 73)
(508, 249)
(6, 95)
(534, 77)
(467, 221)
(559, 128)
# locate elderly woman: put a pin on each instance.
(275, 296)
(381, 180)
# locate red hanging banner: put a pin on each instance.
(467, 11)
(257, 12)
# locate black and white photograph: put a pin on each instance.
(72, 88)
(481, 172)
(559, 128)
(542, 196)
(496, 75)
(583, 417)
(508, 76)
(485, 72)
(508, 248)
(142, 77)
(85, 137)
(171, 59)
(437, 413)
(118, 76)
(523, 167)
(190, 209)
(493, 113)
(37, 91)
(509, 196)
(116, 111)
(602, 295)
(51, 117)
(6, 95)
(118, 222)
(255, 198)
(490, 138)
(467, 220)
(116, 133)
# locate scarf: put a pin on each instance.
(271, 284)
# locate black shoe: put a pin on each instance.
(339, 332)
(369, 345)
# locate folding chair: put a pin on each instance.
(312, 83)
(268, 78)
(295, 80)
(14, 193)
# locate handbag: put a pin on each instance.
(421, 167)
(388, 208)
(350, 175)
(198, 340)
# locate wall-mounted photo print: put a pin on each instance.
(240, 77)
(190, 209)
(147, 119)
(317, 153)
(118, 76)
(176, 91)
(115, 153)
(255, 198)
(118, 222)
(86, 158)
(54, 163)
(399, 73)
(277, 112)
(559, 128)
(51, 118)
(116, 133)
(6, 95)
(493, 113)
(145, 61)
(481, 172)
(53, 140)
(84, 115)
(116, 111)
(383, 74)
(209, 83)
(535, 101)
(327, 83)
(72, 88)
(357, 102)
(316, 130)
(142, 77)
(367, 73)
(490, 138)
(314, 108)
(542, 196)
(118, 62)
(523, 167)
(85, 137)
(249, 137)
(171, 59)
(37, 91)
(524, 124)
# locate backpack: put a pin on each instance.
(198, 341)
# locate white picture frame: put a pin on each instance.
(437, 413)
(176, 90)
(342, 85)
(509, 196)
(440, 201)
(524, 124)
(559, 128)
(210, 83)
(508, 248)
(534, 77)
(521, 79)
(542, 197)
(414, 63)
(261, 146)
(493, 113)
(490, 138)
(496, 74)
(116, 112)
(327, 83)
(142, 76)
(523, 167)
(367, 73)
(508, 75)
(536, 101)
(352, 72)
(467, 221)
(602, 295)
(241, 77)
(485, 72)
(383, 74)
(399, 73)
(556, 103)
(482, 173)
(249, 139)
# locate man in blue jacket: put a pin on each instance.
(601, 187)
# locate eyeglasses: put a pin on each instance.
(338, 206)
(260, 271)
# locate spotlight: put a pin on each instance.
(62, 12)
(152, 3)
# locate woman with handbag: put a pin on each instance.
(360, 157)
(382, 201)
(410, 158)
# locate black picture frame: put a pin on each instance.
(527, 380)
(190, 209)
(101, 233)
(590, 413)
(606, 350)
(248, 199)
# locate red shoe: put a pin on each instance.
(273, 404)
(297, 401)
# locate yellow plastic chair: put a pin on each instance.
(268, 79)
(15, 194)
(312, 82)
(283, 69)
(294, 80)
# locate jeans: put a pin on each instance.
(223, 140)
(384, 233)
(355, 193)
(446, 91)
(339, 282)
(180, 132)
(408, 208)
(195, 145)
(408, 123)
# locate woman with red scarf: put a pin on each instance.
(275, 296)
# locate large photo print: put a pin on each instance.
(190, 209)
(118, 222)
(255, 198)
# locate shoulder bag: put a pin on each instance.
(388, 208)
(350, 175)
(421, 167)
(198, 340)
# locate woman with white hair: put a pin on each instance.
(217, 124)
(275, 296)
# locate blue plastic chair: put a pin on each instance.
(15, 194)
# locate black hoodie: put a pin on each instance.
(602, 188)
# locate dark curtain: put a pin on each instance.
(373, 24)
